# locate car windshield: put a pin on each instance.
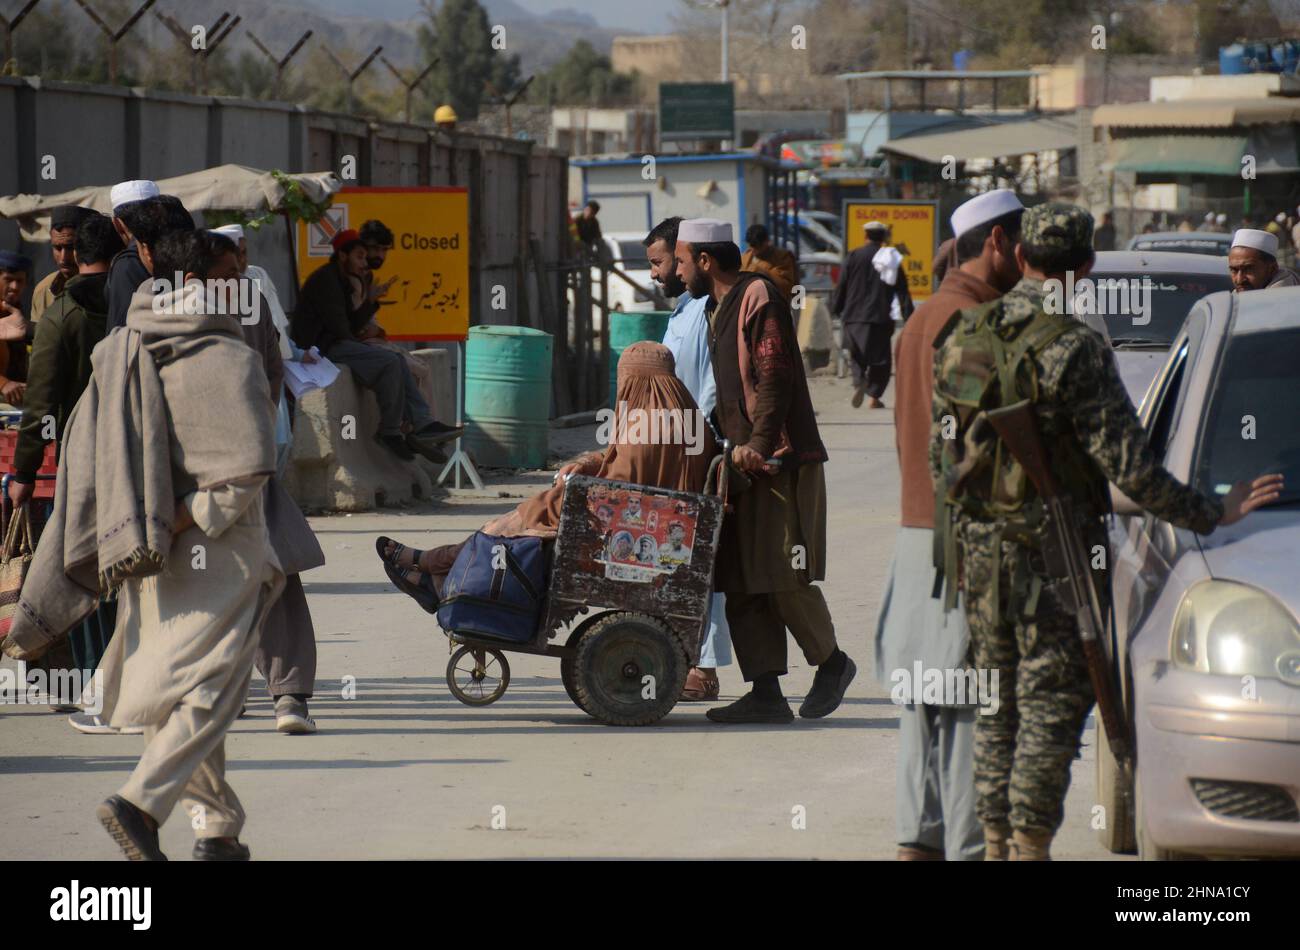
(1250, 428)
(632, 255)
(1172, 298)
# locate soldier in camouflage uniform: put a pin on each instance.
(1019, 625)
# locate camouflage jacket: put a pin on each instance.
(1081, 397)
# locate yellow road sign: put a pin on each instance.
(913, 229)
(430, 256)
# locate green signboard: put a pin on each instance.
(696, 110)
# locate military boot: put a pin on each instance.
(997, 840)
(1031, 845)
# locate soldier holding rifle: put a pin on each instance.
(1009, 544)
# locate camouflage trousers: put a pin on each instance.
(1024, 751)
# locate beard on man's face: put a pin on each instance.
(374, 263)
(673, 285)
(700, 286)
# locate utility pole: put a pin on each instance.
(724, 4)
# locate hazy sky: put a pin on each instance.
(617, 14)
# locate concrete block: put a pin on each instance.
(439, 385)
(327, 471)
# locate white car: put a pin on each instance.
(637, 294)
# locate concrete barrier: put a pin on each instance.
(336, 464)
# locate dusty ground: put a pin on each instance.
(405, 771)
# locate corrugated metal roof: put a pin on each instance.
(1198, 113)
(1047, 134)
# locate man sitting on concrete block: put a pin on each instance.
(333, 314)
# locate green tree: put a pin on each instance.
(459, 36)
(584, 78)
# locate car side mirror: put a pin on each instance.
(1122, 504)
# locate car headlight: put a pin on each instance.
(1236, 630)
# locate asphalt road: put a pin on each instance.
(403, 770)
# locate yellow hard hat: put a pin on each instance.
(445, 114)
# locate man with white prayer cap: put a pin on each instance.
(934, 799)
(127, 272)
(870, 282)
(1252, 262)
(772, 548)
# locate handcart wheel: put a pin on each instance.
(569, 664)
(629, 669)
(478, 676)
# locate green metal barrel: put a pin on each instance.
(628, 328)
(507, 396)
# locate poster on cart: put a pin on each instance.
(644, 535)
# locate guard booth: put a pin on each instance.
(741, 187)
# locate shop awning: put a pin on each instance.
(998, 140)
(1273, 151)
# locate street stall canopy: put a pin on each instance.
(223, 188)
(1047, 134)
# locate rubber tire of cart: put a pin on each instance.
(491, 697)
(569, 664)
(613, 659)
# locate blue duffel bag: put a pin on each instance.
(495, 588)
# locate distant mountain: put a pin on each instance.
(539, 40)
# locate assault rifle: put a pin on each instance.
(1067, 560)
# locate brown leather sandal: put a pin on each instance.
(699, 689)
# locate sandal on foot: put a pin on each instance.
(699, 688)
(422, 593)
(383, 541)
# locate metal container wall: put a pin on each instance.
(626, 329)
(507, 395)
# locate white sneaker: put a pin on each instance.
(93, 725)
(291, 717)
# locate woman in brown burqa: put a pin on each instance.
(646, 383)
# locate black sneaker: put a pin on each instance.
(426, 446)
(749, 708)
(397, 445)
(828, 690)
(130, 829)
(436, 433)
(220, 849)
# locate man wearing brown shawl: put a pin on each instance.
(646, 383)
(773, 544)
(160, 490)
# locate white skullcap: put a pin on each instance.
(984, 208)
(1265, 241)
(875, 226)
(125, 192)
(233, 231)
(1209, 216)
(1281, 216)
(1220, 218)
(705, 231)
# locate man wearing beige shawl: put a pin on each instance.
(160, 491)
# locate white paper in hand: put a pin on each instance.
(304, 377)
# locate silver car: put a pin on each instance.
(1206, 632)
(1214, 243)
